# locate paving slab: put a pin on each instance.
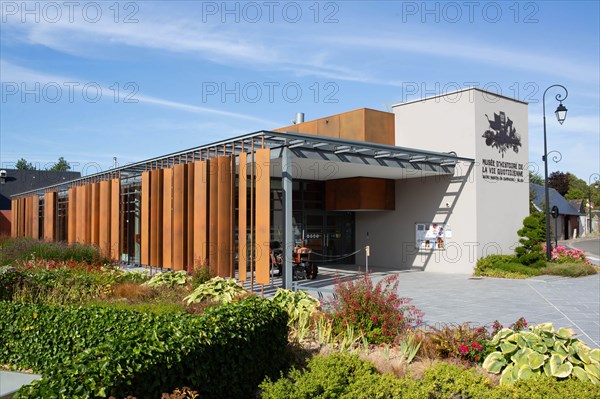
(459, 298)
(11, 381)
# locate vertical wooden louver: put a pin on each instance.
(179, 217)
(242, 217)
(201, 213)
(167, 219)
(263, 212)
(213, 208)
(145, 220)
(50, 199)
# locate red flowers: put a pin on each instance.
(374, 309)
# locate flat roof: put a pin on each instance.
(450, 93)
(303, 146)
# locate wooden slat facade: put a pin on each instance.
(187, 216)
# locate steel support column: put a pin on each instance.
(288, 231)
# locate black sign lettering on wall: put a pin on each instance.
(502, 134)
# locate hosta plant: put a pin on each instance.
(170, 279)
(298, 304)
(216, 289)
(541, 351)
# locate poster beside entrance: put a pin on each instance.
(432, 235)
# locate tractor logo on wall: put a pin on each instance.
(502, 134)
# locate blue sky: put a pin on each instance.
(95, 80)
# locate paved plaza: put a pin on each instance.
(458, 298)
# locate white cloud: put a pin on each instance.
(12, 73)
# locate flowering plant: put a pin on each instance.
(561, 254)
(374, 309)
(473, 351)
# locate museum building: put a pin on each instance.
(433, 185)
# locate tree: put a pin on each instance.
(559, 181)
(578, 188)
(61, 166)
(535, 178)
(22, 164)
(533, 234)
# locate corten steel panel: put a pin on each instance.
(115, 193)
(242, 216)
(104, 219)
(189, 211)
(329, 127)
(28, 216)
(213, 213)
(352, 125)
(179, 217)
(72, 216)
(263, 212)
(224, 218)
(379, 127)
(80, 214)
(22, 217)
(200, 212)
(167, 221)
(14, 217)
(35, 233)
(145, 220)
(5, 222)
(17, 216)
(156, 203)
(50, 216)
(88, 214)
(95, 215)
(359, 193)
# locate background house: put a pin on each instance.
(569, 223)
(14, 181)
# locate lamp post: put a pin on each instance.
(561, 114)
(594, 177)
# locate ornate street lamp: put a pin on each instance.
(593, 178)
(561, 115)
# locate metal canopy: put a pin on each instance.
(302, 146)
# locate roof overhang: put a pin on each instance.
(314, 158)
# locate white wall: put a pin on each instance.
(484, 207)
(441, 199)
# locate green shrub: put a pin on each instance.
(325, 377)
(97, 352)
(569, 269)
(11, 280)
(532, 234)
(346, 376)
(542, 351)
(490, 262)
(507, 266)
(201, 275)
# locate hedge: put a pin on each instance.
(88, 352)
(347, 376)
